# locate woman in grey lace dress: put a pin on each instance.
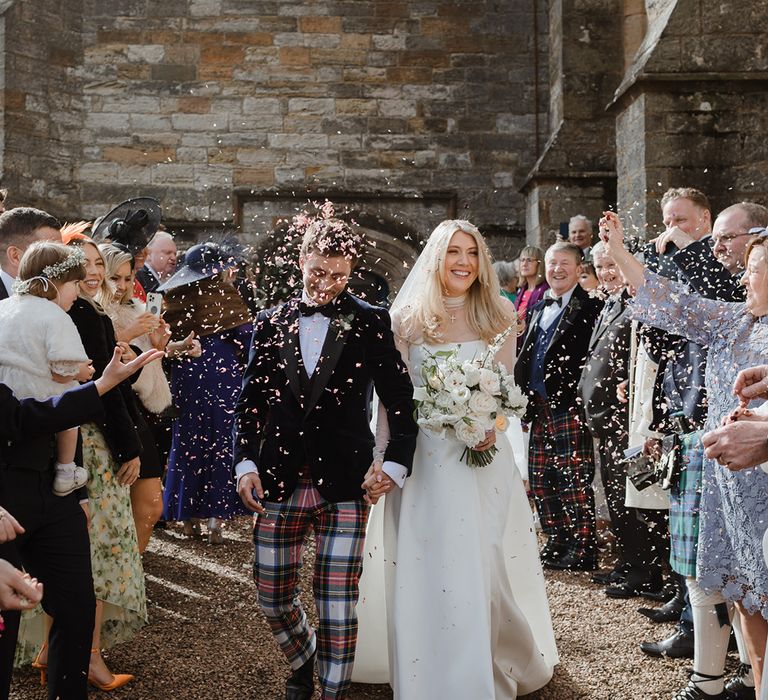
(734, 505)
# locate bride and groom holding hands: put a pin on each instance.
(460, 610)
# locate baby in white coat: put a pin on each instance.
(41, 354)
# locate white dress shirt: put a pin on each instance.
(552, 311)
(7, 281)
(312, 332)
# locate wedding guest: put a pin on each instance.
(588, 276)
(561, 459)
(201, 298)
(133, 326)
(640, 558)
(53, 546)
(160, 263)
(40, 349)
(439, 573)
(580, 233)
(19, 229)
(734, 505)
(111, 454)
(532, 282)
(3, 198)
(507, 273)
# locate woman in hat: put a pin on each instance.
(200, 297)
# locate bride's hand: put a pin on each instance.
(490, 441)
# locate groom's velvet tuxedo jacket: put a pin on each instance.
(286, 421)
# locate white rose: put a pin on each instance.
(489, 381)
(435, 381)
(471, 373)
(454, 380)
(469, 433)
(482, 403)
(460, 395)
(516, 398)
(444, 400)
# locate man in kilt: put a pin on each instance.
(561, 458)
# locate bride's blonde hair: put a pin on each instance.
(422, 318)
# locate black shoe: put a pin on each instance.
(736, 688)
(678, 646)
(669, 612)
(301, 684)
(571, 562)
(692, 692)
(660, 595)
(608, 578)
(624, 591)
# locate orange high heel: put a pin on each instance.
(39, 665)
(118, 679)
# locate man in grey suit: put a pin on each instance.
(640, 534)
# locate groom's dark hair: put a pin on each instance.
(333, 238)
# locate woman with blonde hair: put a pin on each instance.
(134, 325)
(460, 557)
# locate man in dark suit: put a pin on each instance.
(640, 534)
(160, 263)
(54, 547)
(19, 229)
(303, 448)
(561, 461)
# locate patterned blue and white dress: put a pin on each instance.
(734, 505)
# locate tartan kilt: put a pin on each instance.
(684, 503)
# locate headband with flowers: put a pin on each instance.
(52, 272)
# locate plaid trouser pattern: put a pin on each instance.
(279, 536)
(684, 503)
(561, 466)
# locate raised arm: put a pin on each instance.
(664, 303)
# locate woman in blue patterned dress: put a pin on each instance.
(734, 505)
(200, 297)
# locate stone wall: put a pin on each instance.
(199, 102)
(692, 110)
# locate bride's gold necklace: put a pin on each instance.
(453, 304)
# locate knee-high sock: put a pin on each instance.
(710, 638)
(749, 678)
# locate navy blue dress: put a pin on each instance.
(199, 483)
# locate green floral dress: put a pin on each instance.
(118, 576)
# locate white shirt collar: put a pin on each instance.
(7, 281)
(565, 297)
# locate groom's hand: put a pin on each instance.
(246, 486)
(377, 482)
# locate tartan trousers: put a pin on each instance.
(561, 466)
(279, 537)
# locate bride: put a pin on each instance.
(464, 613)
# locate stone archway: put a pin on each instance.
(396, 227)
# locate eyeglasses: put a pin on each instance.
(527, 260)
(728, 237)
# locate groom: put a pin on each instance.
(303, 448)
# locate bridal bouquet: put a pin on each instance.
(469, 398)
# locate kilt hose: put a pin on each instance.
(561, 466)
(279, 537)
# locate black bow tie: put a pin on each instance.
(553, 300)
(327, 310)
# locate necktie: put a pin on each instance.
(553, 300)
(327, 310)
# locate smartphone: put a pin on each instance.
(154, 303)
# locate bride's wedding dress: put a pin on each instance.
(463, 612)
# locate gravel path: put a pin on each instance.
(207, 639)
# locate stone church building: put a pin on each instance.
(514, 114)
